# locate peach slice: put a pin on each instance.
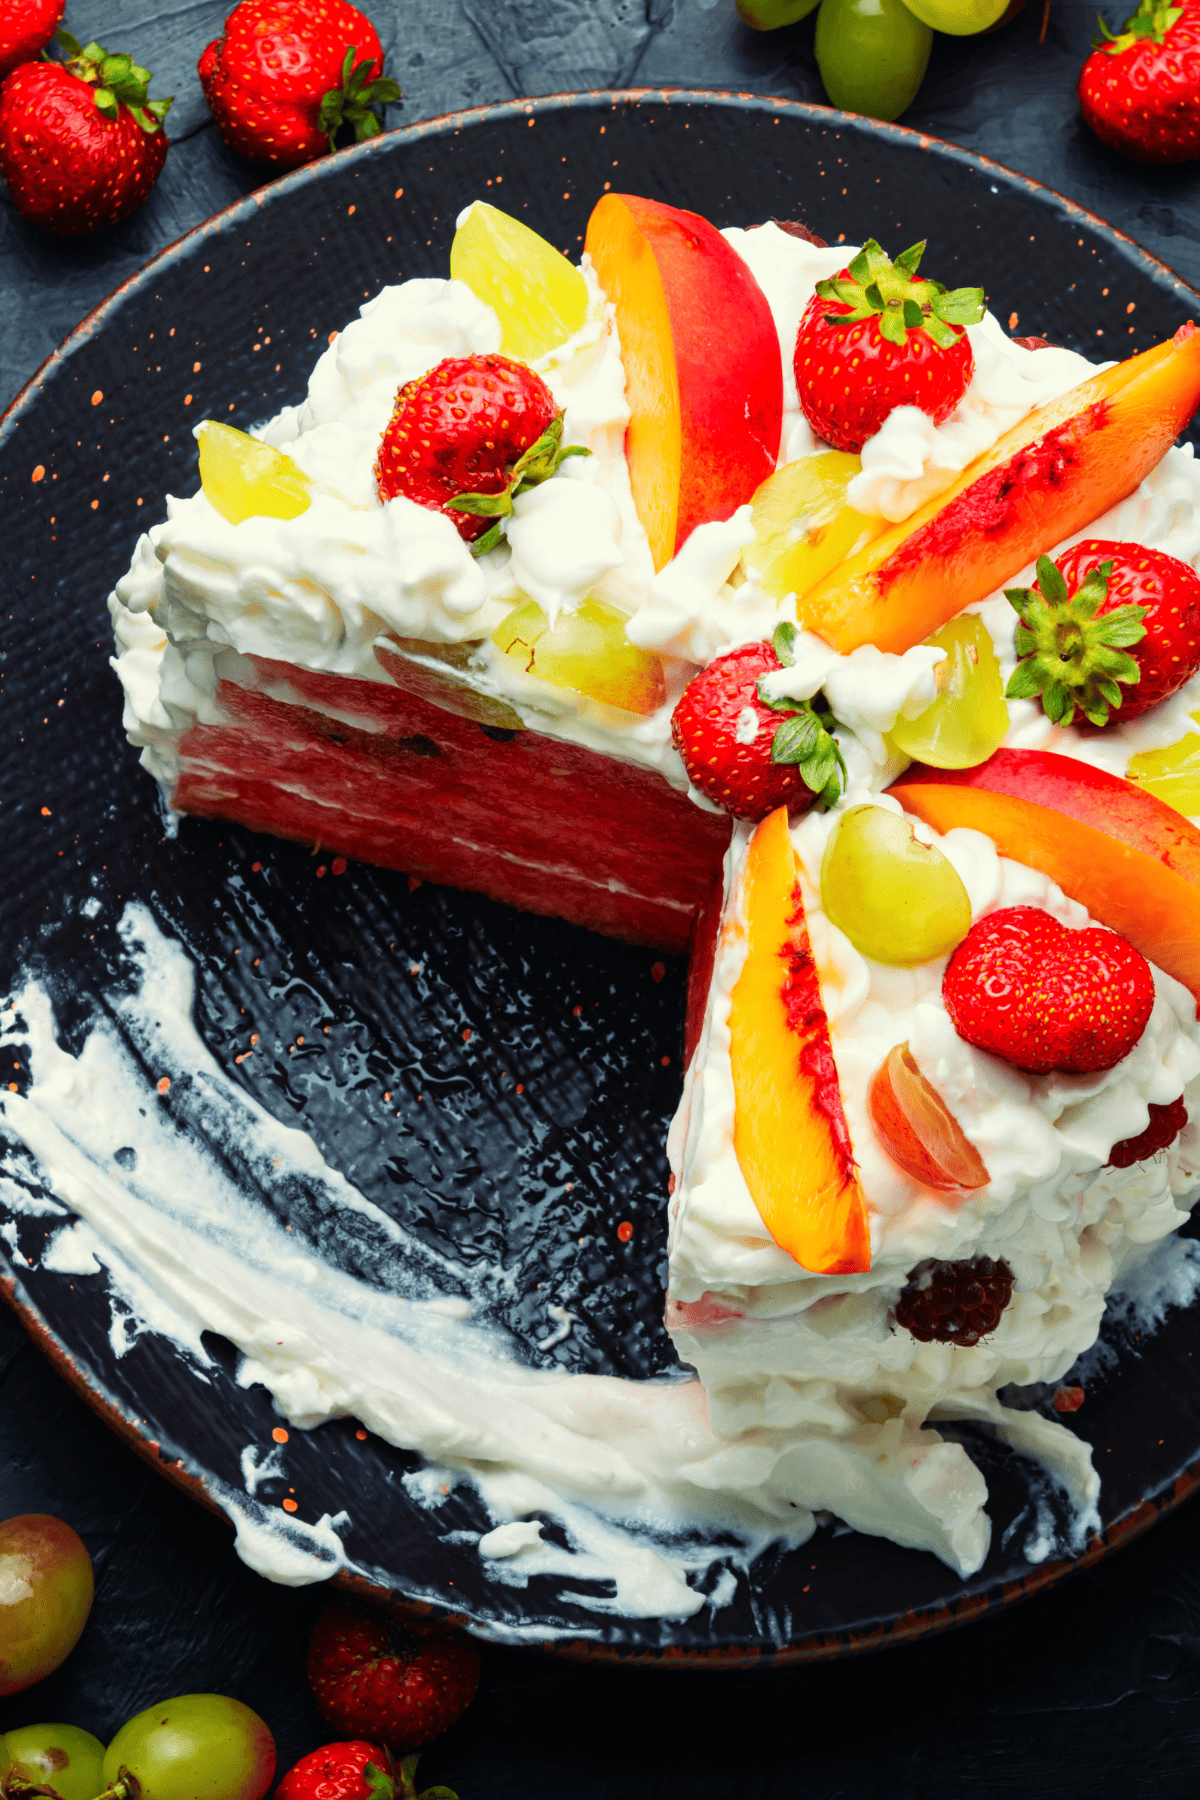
(790, 1131)
(1049, 476)
(1130, 859)
(703, 373)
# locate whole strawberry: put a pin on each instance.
(1043, 997)
(354, 1771)
(373, 1682)
(877, 336)
(81, 142)
(26, 27)
(288, 74)
(1166, 1123)
(749, 753)
(467, 438)
(1108, 625)
(1140, 91)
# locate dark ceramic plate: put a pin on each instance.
(227, 323)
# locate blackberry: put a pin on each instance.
(1166, 1123)
(954, 1302)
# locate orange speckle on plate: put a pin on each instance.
(338, 865)
(657, 971)
(280, 1435)
(38, 473)
(625, 1231)
(46, 813)
(467, 1035)
(97, 397)
(290, 1506)
(164, 1084)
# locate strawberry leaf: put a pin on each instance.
(379, 1781)
(353, 101)
(873, 287)
(1069, 656)
(544, 457)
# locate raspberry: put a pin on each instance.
(954, 1302)
(1166, 1123)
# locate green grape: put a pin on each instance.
(769, 15)
(897, 900)
(539, 298)
(1172, 774)
(246, 479)
(587, 651)
(872, 55)
(46, 1589)
(969, 718)
(802, 525)
(960, 18)
(60, 1757)
(195, 1747)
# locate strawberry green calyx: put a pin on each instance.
(1149, 21)
(118, 81)
(543, 459)
(351, 104)
(892, 292)
(406, 1788)
(806, 737)
(1070, 657)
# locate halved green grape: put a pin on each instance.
(960, 18)
(802, 525)
(872, 55)
(539, 297)
(969, 718)
(1172, 774)
(195, 1747)
(587, 651)
(897, 900)
(60, 1757)
(245, 479)
(46, 1589)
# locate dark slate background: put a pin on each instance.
(1091, 1690)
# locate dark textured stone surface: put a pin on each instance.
(1086, 1691)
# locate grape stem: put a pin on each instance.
(125, 1787)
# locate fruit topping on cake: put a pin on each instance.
(898, 900)
(1027, 988)
(1130, 859)
(878, 336)
(586, 651)
(751, 753)
(1045, 479)
(540, 299)
(968, 720)
(1110, 628)
(917, 1128)
(703, 371)
(469, 437)
(954, 1302)
(790, 1132)
(1166, 1123)
(803, 525)
(243, 478)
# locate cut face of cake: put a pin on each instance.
(668, 594)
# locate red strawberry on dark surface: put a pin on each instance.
(1166, 1123)
(377, 1683)
(1110, 629)
(1043, 996)
(81, 142)
(354, 1771)
(288, 74)
(879, 336)
(26, 27)
(1140, 91)
(467, 438)
(750, 754)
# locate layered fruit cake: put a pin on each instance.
(740, 593)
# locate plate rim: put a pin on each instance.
(815, 1647)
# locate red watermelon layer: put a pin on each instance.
(539, 824)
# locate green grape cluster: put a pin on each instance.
(873, 54)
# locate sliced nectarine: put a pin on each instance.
(1049, 476)
(1131, 860)
(703, 374)
(790, 1131)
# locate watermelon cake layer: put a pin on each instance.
(389, 777)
